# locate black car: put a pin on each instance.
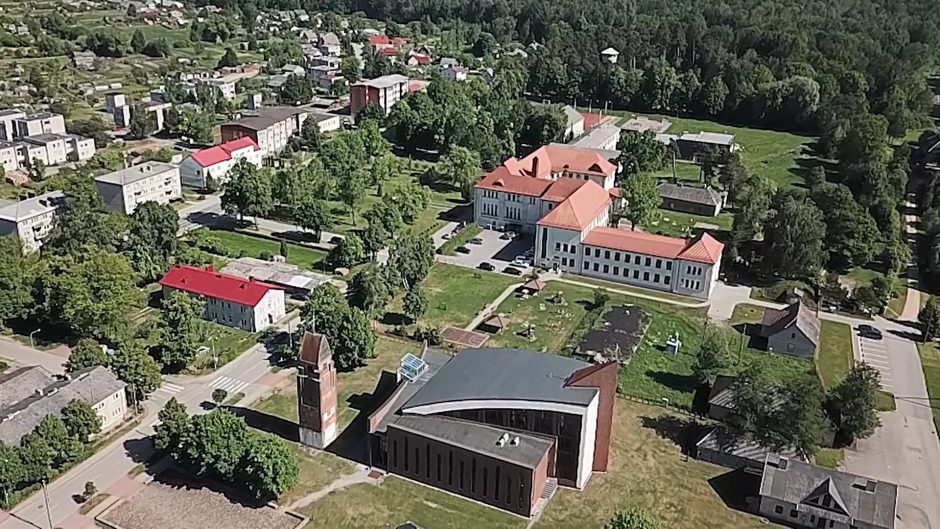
(462, 249)
(486, 266)
(867, 331)
(512, 271)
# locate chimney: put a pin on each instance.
(535, 166)
(210, 268)
(39, 391)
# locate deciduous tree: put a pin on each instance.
(855, 401)
(642, 199)
(248, 191)
(632, 519)
(462, 167)
(153, 238)
(270, 466)
(216, 442)
(16, 280)
(710, 358)
(86, 353)
(80, 420)
(181, 330)
(173, 427)
(415, 303)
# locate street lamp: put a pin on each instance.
(31, 344)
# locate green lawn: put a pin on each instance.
(686, 171)
(645, 470)
(362, 381)
(455, 294)
(746, 313)
(930, 362)
(834, 356)
(241, 243)
(317, 470)
(610, 285)
(553, 322)
(678, 224)
(830, 457)
(228, 343)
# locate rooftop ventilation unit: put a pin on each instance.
(514, 441)
(503, 439)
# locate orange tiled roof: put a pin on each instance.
(550, 159)
(579, 209)
(704, 249)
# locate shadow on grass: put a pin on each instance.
(735, 488)
(282, 428)
(684, 383)
(681, 431)
(352, 443)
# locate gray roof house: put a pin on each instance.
(803, 495)
(793, 330)
(706, 201)
(727, 447)
(721, 398)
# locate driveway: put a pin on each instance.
(493, 250)
(905, 449)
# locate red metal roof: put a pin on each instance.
(704, 249)
(223, 152)
(211, 284)
(580, 209)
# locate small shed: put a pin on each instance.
(533, 286)
(495, 324)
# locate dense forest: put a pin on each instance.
(798, 65)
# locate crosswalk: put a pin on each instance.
(875, 354)
(169, 388)
(229, 384)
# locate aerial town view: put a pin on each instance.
(531, 264)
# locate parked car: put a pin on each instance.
(508, 235)
(867, 331)
(512, 271)
(486, 266)
(462, 249)
(476, 240)
(336, 239)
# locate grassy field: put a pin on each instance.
(646, 470)
(362, 381)
(610, 285)
(229, 342)
(746, 313)
(685, 171)
(830, 457)
(680, 224)
(455, 294)
(241, 243)
(930, 362)
(834, 356)
(553, 322)
(317, 470)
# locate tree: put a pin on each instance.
(370, 112)
(642, 197)
(796, 420)
(310, 135)
(855, 401)
(89, 491)
(248, 191)
(324, 310)
(355, 341)
(270, 466)
(296, 90)
(228, 60)
(138, 41)
(543, 125)
(384, 168)
(851, 234)
(216, 442)
(138, 370)
(63, 447)
(11, 472)
(80, 420)
(91, 293)
(197, 126)
(713, 95)
(313, 215)
(462, 167)
(600, 299)
(370, 290)
(350, 68)
(793, 237)
(153, 238)
(159, 47)
(180, 329)
(83, 223)
(219, 395)
(172, 428)
(349, 252)
(411, 258)
(929, 318)
(660, 81)
(16, 280)
(415, 303)
(752, 399)
(86, 353)
(142, 122)
(633, 518)
(37, 170)
(372, 140)
(710, 358)
(641, 152)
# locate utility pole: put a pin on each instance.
(45, 495)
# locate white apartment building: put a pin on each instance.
(8, 157)
(127, 188)
(31, 219)
(213, 164)
(52, 149)
(568, 208)
(40, 123)
(80, 148)
(229, 300)
(7, 123)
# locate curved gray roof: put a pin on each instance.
(504, 374)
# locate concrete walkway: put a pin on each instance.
(24, 355)
(491, 306)
(361, 475)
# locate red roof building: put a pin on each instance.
(565, 196)
(229, 300)
(215, 162)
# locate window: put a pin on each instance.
(606, 254)
(557, 246)
(778, 509)
(790, 348)
(636, 274)
(616, 256)
(586, 265)
(659, 263)
(597, 252)
(793, 513)
(667, 280)
(668, 265)
(564, 247)
(574, 249)
(649, 261)
(636, 259)
(646, 276)
(793, 335)
(656, 278)
(587, 251)
(596, 267)
(616, 270)
(564, 261)
(606, 269)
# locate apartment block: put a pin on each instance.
(126, 189)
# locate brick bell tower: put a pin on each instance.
(316, 392)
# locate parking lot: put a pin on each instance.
(494, 250)
(875, 353)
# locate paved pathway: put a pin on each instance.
(24, 355)
(492, 306)
(361, 475)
